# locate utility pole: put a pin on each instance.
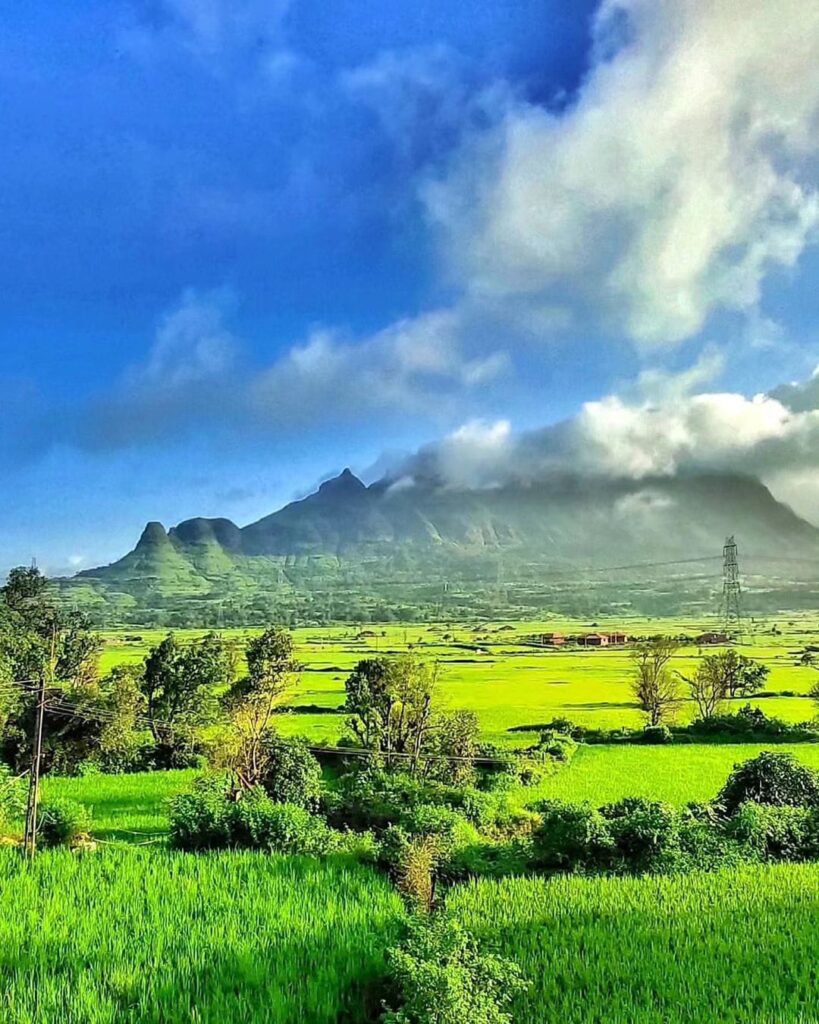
(32, 804)
(731, 588)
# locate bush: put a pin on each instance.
(772, 833)
(201, 820)
(571, 837)
(646, 833)
(293, 775)
(62, 822)
(442, 977)
(486, 859)
(374, 799)
(12, 796)
(208, 819)
(280, 828)
(770, 778)
(656, 735)
(450, 828)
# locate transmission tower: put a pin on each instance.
(731, 589)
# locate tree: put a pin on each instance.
(390, 703)
(179, 685)
(43, 647)
(724, 675)
(707, 688)
(743, 677)
(453, 744)
(653, 683)
(252, 700)
(124, 703)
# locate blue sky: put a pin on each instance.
(244, 243)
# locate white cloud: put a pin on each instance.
(683, 173)
(641, 440)
(192, 343)
(194, 375)
(212, 27)
(411, 366)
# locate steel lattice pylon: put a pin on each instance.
(731, 587)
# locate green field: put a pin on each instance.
(161, 938)
(736, 946)
(491, 670)
(134, 808)
(135, 932)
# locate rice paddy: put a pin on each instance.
(735, 947)
(491, 669)
(161, 938)
(143, 934)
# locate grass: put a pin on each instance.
(150, 937)
(130, 808)
(676, 774)
(490, 669)
(728, 948)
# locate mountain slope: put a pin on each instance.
(400, 544)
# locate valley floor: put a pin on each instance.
(494, 670)
(137, 933)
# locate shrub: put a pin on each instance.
(770, 778)
(12, 796)
(486, 859)
(292, 775)
(772, 833)
(571, 836)
(442, 977)
(656, 735)
(646, 833)
(705, 846)
(282, 828)
(374, 799)
(61, 822)
(201, 820)
(450, 828)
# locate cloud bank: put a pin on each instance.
(683, 173)
(773, 438)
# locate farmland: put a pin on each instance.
(736, 946)
(137, 931)
(491, 669)
(155, 936)
(127, 807)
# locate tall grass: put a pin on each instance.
(735, 947)
(124, 807)
(676, 774)
(160, 937)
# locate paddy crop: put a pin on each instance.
(491, 668)
(153, 936)
(727, 948)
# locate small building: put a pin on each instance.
(712, 638)
(552, 639)
(618, 639)
(594, 640)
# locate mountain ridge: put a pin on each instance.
(358, 539)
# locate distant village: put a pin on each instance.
(615, 639)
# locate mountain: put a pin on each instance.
(401, 549)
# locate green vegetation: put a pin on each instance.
(496, 670)
(152, 936)
(464, 754)
(726, 947)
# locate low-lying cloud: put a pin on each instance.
(615, 438)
